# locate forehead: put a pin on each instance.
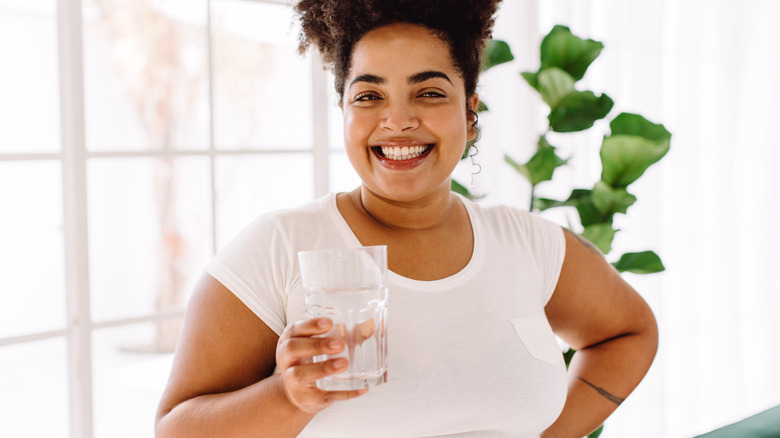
(400, 48)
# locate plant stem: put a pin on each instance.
(533, 197)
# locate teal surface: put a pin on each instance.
(763, 425)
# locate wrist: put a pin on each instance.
(288, 401)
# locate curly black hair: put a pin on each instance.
(335, 26)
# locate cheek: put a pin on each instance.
(451, 117)
(357, 126)
(454, 126)
(458, 136)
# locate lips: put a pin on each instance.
(401, 153)
(401, 150)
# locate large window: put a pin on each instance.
(137, 138)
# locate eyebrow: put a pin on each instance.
(414, 79)
(371, 79)
(426, 75)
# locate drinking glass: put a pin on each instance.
(349, 286)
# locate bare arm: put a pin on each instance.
(222, 381)
(596, 312)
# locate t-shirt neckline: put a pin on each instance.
(453, 280)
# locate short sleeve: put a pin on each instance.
(550, 248)
(256, 267)
(547, 246)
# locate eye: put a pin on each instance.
(365, 97)
(431, 94)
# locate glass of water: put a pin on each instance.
(349, 286)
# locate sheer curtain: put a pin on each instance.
(708, 70)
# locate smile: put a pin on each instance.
(401, 153)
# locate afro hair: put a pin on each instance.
(335, 26)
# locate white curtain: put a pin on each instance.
(709, 71)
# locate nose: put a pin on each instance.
(399, 116)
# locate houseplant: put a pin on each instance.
(631, 147)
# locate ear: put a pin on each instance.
(473, 101)
(472, 104)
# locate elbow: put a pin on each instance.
(651, 333)
(646, 327)
(644, 339)
(643, 331)
(637, 340)
(162, 423)
(159, 426)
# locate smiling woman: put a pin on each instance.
(477, 294)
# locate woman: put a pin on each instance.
(476, 293)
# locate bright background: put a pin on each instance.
(137, 137)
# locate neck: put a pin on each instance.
(419, 215)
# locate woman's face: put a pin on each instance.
(405, 118)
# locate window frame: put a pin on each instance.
(74, 157)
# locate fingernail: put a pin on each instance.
(334, 344)
(322, 323)
(340, 363)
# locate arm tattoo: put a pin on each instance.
(613, 398)
(587, 243)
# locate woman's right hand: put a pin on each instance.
(299, 373)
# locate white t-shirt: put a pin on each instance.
(471, 355)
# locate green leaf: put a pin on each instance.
(496, 52)
(582, 200)
(645, 262)
(624, 158)
(578, 195)
(554, 85)
(609, 200)
(573, 200)
(600, 235)
(634, 124)
(460, 189)
(589, 213)
(531, 78)
(541, 204)
(542, 164)
(568, 355)
(596, 433)
(515, 165)
(633, 146)
(578, 111)
(560, 48)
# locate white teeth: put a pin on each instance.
(402, 153)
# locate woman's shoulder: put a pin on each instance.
(284, 224)
(503, 215)
(315, 207)
(285, 218)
